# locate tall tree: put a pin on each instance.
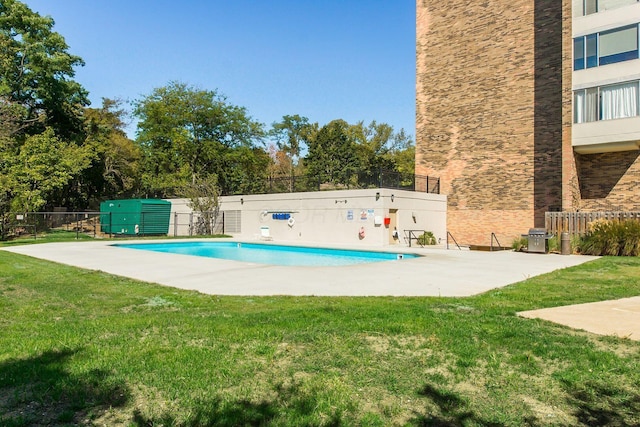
(403, 153)
(373, 145)
(41, 122)
(43, 165)
(280, 164)
(290, 134)
(186, 133)
(36, 73)
(246, 170)
(115, 170)
(331, 157)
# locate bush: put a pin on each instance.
(553, 244)
(615, 238)
(520, 244)
(427, 238)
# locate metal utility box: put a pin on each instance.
(538, 240)
(135, 217)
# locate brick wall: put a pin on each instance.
(475, 227)
(489, 111)
(570, 189)
(609, 181)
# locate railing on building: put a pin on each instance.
(381, 179)
(449, 235)
(577, 223)
(497, 246)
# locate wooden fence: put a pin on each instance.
(578, 222)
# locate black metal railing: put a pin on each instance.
(449, 235)
(381, 179)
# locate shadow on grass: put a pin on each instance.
(291, 406)
(41, 391)
(453, 411)
(216, 413)
(604, 405)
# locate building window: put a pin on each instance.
(592, 50)
(610, 102)
(607, 47)
(588, 7)
(619, 101)
(578, 53)
(618, 45)
(586, 105)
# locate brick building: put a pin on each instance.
(515, 123)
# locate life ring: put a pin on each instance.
(291, 221)
(361, 233)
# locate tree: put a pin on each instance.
(115, 170)
(290, 134)
(203, 195)
(186, 133)
(41, 122)
(279, 171)
(331, 157)
(41, 166)
(373, 145)
(36, 72)
(246, 170)
(403, 153)
(280, 164)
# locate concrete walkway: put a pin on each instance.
(439, 272)
(620, 318)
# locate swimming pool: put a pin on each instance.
(270, 254)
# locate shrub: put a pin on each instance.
(427, 238)
(520, 244)
(615, 238)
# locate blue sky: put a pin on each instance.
(323, 59)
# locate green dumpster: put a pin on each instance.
(135, 217)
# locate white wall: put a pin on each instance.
(605, 20)
(606, 136)
(335, 217)
(610, 74)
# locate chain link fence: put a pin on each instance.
(111, 225)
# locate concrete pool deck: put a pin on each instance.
(440, 272)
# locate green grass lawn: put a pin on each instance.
(87, 348)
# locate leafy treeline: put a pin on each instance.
(57, 151)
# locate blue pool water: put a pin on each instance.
(270, 254)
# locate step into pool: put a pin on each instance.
(271, 254)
